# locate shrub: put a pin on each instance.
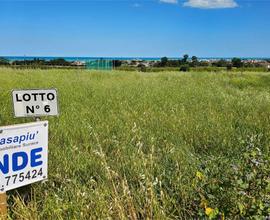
(4, 61)
(142, 67)
(229, 67)
(184, 68)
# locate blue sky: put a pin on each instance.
(127, 28)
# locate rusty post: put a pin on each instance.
(3, 206)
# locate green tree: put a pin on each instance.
(164, 61)
(59, 62)
(185, 58)
(195, 61)
(3, 61)
(237, 62)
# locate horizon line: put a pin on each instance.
(132, 56)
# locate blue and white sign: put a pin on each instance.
(23, 154)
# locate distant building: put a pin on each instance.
(78, 63)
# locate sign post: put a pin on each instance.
(3, 201)
(3, 205)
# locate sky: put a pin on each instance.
(140, 28)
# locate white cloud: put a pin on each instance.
(169, 1)
(211, 4)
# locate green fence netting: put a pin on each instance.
(100, 64)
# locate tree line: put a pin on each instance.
(185, 63)
(36, 62)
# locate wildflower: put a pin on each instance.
(199, 175)
(222, 216)
(209, 211)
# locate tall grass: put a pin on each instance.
(130, 145)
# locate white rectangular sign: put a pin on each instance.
(23, 154)
(33, 103)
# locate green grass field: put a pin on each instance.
(131, 145)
